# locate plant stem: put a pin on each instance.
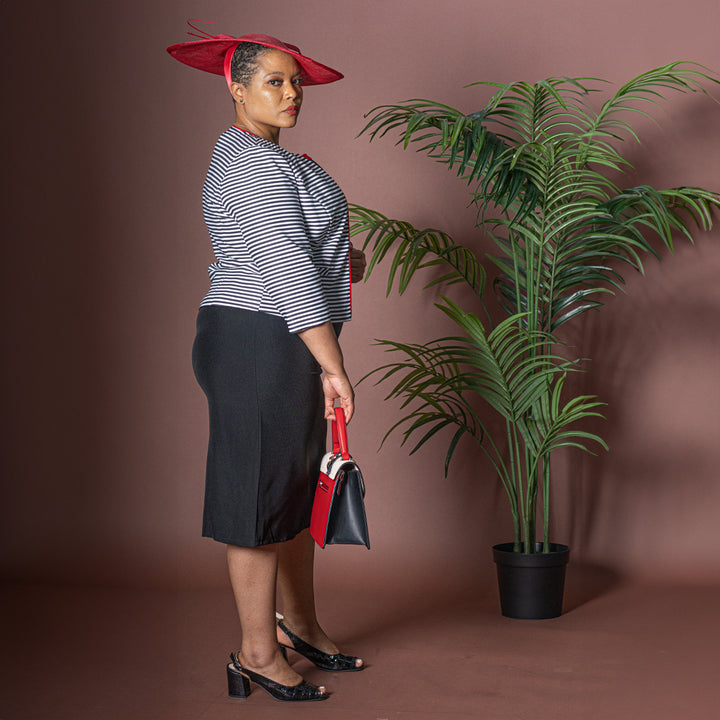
(513, 432)
(529, 502)
(546, 503)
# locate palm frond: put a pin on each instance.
(414, 250)
(550, 109)
(549, 427)
(649, 88)
(461, 142)
(577, 246)
(430, 385)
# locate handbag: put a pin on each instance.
(338, 512)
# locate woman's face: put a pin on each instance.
(272, 98)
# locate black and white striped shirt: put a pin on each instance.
(279, 229)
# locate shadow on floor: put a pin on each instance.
(585, 582)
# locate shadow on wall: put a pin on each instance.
(674, 145)
(647, 502)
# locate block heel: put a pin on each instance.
(238, 684)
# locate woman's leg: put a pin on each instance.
(253, 576)
(295, 583)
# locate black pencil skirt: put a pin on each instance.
(267, 430)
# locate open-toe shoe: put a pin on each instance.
(239, 685)
(325, 661)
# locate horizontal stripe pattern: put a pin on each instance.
(279, 229)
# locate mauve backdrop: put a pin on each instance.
(106, 143)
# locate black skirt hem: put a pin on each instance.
(253, 543)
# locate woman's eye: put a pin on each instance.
(278, 82)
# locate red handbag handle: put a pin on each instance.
(339, 434)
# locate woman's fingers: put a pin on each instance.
(358, 263)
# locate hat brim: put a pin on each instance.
(209, 55)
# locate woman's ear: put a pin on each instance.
(237, 91)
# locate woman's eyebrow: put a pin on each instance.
(281, 73)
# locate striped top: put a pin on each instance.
(279, 229)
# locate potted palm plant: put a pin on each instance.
(538, 160)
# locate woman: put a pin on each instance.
(267, 356)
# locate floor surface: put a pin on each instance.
(619, 652)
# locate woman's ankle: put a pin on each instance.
(261, 659)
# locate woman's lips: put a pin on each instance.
(292, 110)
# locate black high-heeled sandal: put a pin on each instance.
(325, 661)
(239, 685)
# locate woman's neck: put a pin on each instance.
(272, 135)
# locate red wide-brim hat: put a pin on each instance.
(214, 53)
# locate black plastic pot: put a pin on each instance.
(531, 584)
